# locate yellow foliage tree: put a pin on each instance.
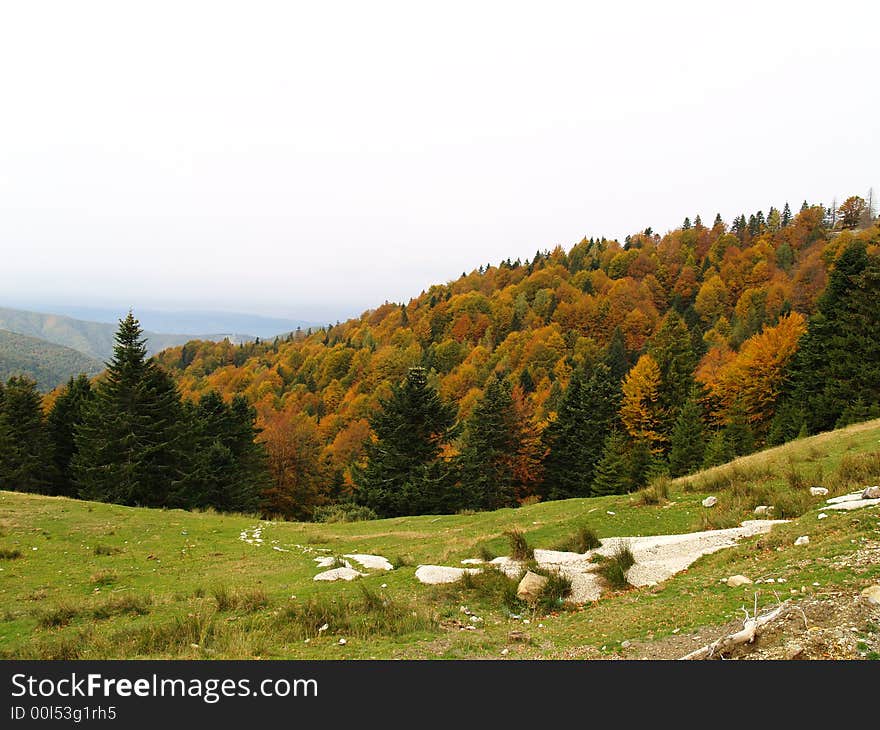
(640, 411)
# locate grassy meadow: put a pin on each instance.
(91, 580)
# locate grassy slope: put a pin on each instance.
(176, 559)
(47, 363)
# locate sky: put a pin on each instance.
(313, 160)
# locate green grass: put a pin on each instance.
(154, 592)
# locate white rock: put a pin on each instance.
(738, 580)
(763, 509)
(339, 574)
(436, 574)
(342, 642)
(471, 561)
(710, 501)
(371, 562)
(611, 513)
(323, 628)
(818, 491)
(505, 652)
(329, 560)
(872, 593)
(822, 515)
(871, 493)
(803, 540)
(530, 586)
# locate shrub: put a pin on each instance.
(859, 469)
(519, 546)
(247, 601)
(791, 504)
(530, 500)
(656, 492)
(490, 586)
(583, 540)
(555, 591)
(485, 554)
(119, 605)
(345, 512)
(613, 568)
(402, 561)
(103, 577)
(8, 554)
(60, 615)
(106, 550)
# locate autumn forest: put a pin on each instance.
(578, 372)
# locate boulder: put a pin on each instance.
(436, 574)
(339, 574)
(371, 562)
(818, 491)
(871, 493)
(872, 593)
(763, 509)
(530, 586)
(735, 581)
(710, 501)
(802, 540)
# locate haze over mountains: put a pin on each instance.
(47, 363)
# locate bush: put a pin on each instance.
(103, 577)
(613, 568)
(791, 504)
(117, 606)
(7, 554)
(656, 492)
(554, 593)
(60, 615)
(248, 601)
(106, 550)
(859, 469)
(346, 512)
(530, 500)
(490, 586)
(485, 554)
(583, 540)
(519, 546)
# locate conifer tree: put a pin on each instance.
(616, 356)
(786, 215)
(129, 441)
(405, 472)
(612, 474)
(495, 442)
(672, 351)
(687, 445)
(66, 414)
(25, 450)
(574, 441)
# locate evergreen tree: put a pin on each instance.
(495, 442)
(612, 474)
(672, 351)
(717, 451)
(687, 445)
(838, 359)
(738, 435)
(25, 450)
(128, 445)
(65, 416)
(786, 215)
(616, 356)
(405, 473)
(686, 226)
(574, 441)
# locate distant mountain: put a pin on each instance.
(94, 339)
(193, 323)
(47, 363)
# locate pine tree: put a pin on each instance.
(786, 215)
(672, 351)
(495, 442)
(129, 441)
(616, 356)
(574, 441)
(25, 450)
(687, 445)
(612, 474)
(718, 451)
(405, 472)
(65, 416)
(686, 226)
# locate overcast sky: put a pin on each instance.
(315, 159)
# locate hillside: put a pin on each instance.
(94, 339)
(47, 363)
(716, 313)
(94, 580)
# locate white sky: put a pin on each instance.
(314, 159)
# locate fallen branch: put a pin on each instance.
(751, 628)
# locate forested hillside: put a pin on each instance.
(574, 373)
(48, 364)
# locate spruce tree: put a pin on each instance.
(129, 441)
(672, 351)
(25, 450)
(616, 356)
(612, 473)
(66, 414)
(493, 444)
(574, 441)
(405, 473)
(688, 445)
(786, 215)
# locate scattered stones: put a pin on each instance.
(436, 574)
(763, 509)
(803, 540)
(735, 581)
(872, 593)
(818, 491)
(530, 586)
(871, 493)
(339, 574)
(710, 501)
